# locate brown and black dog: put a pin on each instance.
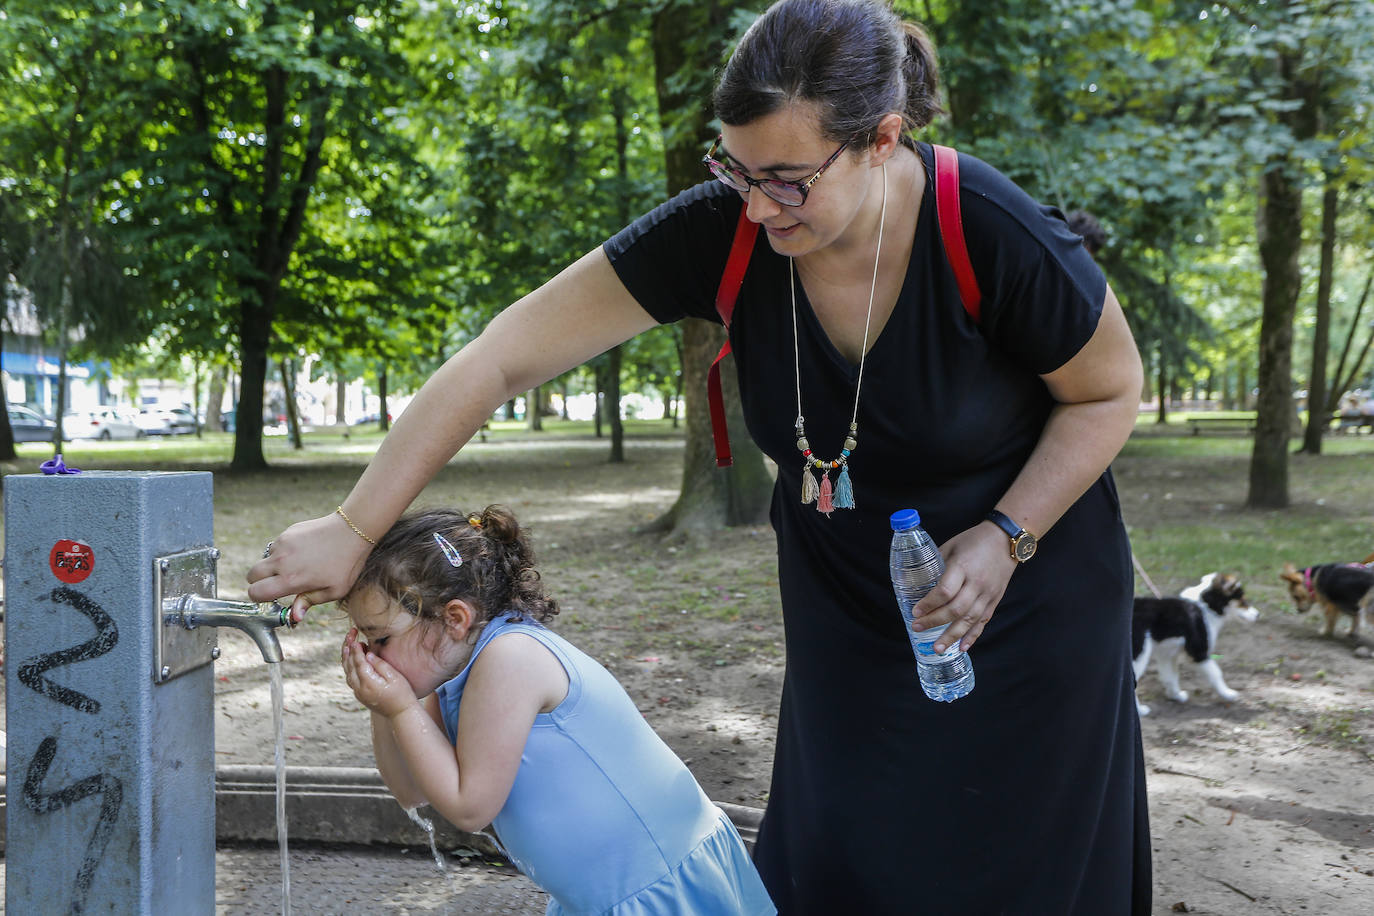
(1340, 588)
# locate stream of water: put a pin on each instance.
(427, 826)
(279, 756)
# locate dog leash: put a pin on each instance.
(1140, 569)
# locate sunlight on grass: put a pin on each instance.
(1183, 496)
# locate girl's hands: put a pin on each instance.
(377, 685)
(978, 565)
(315, 560)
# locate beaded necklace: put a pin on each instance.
(840, 495)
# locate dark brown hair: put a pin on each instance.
(496, 573)
(855, 58)
(1086, 225)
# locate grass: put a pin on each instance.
(1183, 500)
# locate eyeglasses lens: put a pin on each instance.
(727, 177)
(785, 193)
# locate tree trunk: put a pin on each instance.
(534, 422)
(195, 395)
(709, 498)
(7, 452)
(1342, 382)
(293, 415)
(384, 408)
(615, 357)
(255, 326)
(1279, 229)
(677, 381)
(1318, 418)
(613, 361)
(1161, 389)
(341, 402)
(598, 397)
(214, 399)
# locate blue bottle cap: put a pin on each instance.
(905, 519)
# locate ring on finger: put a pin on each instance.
(267, 551)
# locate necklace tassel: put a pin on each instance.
(825, 503)
(809, 488)
(844, 490)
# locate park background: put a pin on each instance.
(232, 203)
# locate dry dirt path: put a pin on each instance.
(1264, 806)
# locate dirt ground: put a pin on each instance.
(1262, 806)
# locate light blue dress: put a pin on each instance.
(603, 815)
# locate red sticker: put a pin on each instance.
(71, 561)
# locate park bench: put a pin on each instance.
(1201, 424)
(1354, 422)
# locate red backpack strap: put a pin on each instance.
(952, 228)
(746, 230)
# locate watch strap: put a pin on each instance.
(1003, 521)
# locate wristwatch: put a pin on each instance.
(1023, 543)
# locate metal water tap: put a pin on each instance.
(192, 611)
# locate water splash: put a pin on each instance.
(427, 826)
(279, 757)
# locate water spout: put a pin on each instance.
(193, 611)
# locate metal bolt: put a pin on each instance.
(163, 565)
(166, 672)
(214, 553)
(214, 652)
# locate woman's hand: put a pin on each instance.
(315, 560)
(377, 685)
(978, 565)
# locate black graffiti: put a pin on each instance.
(111, 792)
(32, 673)
(72, 561)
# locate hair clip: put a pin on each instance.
(475, 522)
(450, 552)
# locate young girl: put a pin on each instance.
(490, 718)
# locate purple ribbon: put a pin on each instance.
(55, 465)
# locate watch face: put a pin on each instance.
(1023, 547)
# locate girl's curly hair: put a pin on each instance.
(496, 572)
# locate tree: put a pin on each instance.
(250, 111)
(64, 117)
(689, 41)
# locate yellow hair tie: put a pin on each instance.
(475, 522)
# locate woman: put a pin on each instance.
(853, 349)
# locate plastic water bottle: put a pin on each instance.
(916, 565)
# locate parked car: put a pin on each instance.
(159, 421)
(152, 422)
(181, 421)
(29, 425)
(100, 423)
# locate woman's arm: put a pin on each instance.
(513, 680)
(578, 314)
(1098, 397)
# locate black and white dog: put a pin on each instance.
(1191, 621)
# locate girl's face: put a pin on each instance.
(788, 144)
(426, 652)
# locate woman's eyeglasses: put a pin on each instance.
(787, 193)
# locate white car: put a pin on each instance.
(100, 423)
(157, 421)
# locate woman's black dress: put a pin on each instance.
(1028, 795)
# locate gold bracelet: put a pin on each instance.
(356, 530)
